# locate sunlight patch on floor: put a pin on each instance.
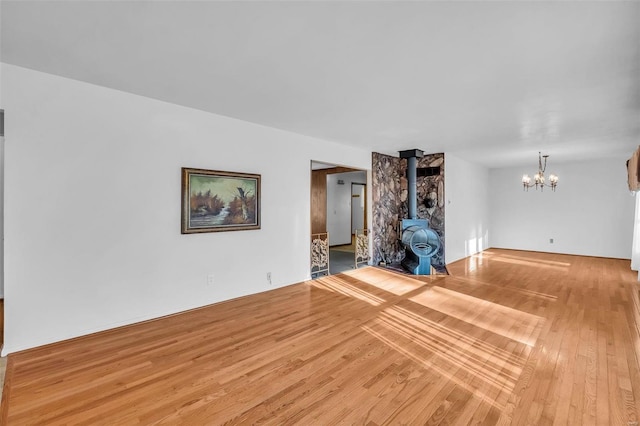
(458, 348)
(336, 284)
(508, 322)
(388, 281)
(480, 345)
(513, 288)
(526, 261)
(485, 371)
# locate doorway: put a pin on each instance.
(338, 208)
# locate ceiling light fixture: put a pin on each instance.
(539, 177)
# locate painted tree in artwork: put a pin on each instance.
(242, 209)
(206, 204)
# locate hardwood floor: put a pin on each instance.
(508, 338)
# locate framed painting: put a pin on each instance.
(214, 201)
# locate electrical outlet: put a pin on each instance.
(550, 240)
(269, 277)
(211, 279)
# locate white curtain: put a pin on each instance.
(635, 251)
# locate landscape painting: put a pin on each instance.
(215, 201)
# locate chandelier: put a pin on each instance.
(538, 179)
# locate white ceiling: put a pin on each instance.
(493, 82)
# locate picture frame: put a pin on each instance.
(216, 201)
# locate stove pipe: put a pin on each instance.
(412, 156)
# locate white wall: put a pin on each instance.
(92, 207)
(467, 209)
(591, 212)
(1, 217)
(339, 205)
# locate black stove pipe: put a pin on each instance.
(412, 156)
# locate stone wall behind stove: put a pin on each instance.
(390, 205)
(386, 189)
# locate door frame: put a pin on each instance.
(364, 219)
